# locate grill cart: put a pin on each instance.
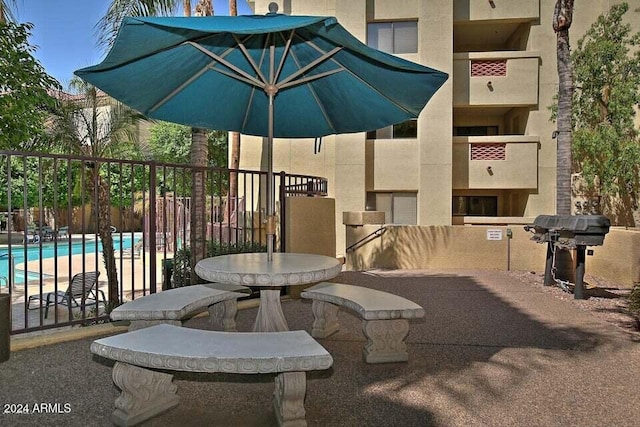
(569, 232)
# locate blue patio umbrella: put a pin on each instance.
(268, 75)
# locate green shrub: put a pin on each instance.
(634, 299)
(182, 258)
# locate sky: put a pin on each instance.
(64, 31)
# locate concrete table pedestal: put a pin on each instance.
(286, 269)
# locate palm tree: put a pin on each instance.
(94, 125)
(199, 159)
(562, 17)
(6, 14)
(107, 28)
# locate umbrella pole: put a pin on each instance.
(271, 220)
(271, 90)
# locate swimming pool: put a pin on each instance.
(51, 250)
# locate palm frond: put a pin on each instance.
(6, 11)
(107, 28)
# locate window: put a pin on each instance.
(475, 205)
(393, 37)
(398, 208)
(407, 130)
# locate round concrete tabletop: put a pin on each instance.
(253, 269)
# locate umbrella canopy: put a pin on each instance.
(273, 75)
(216, 72)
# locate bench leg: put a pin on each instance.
(145, 394)
(385, 340)
(325, 319)
(141, 324)
(223, 315)
(288, 399)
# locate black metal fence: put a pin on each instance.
(53, 207)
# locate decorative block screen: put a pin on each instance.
(489, 68)
(488, 151)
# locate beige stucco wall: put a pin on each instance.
(618, 259)
(310, 228)
(310, 225)
(501, 9)
(419, 247)
(392, 164)
(436, 121)
(433, 165)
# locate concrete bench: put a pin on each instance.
(147, 392)
(384, 317)
(175, 305)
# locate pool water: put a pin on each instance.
(50, 250)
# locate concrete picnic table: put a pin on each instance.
(253, 269)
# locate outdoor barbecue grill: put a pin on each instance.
(569, 232)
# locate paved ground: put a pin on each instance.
(491, 351)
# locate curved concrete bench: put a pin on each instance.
(174, 305)
(384, 317)
(146, 392)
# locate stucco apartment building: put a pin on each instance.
(482, 151)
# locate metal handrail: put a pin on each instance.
(366, 239)
(11, 280)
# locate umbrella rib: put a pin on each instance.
(287, 46)
(315, 96)
(323, 58)
(194, 77)
(247, 110)
(253, 89)
(177, 90)
(233, 76)
(310, 78)
(227, 64)
(249, 58)
(359, 78)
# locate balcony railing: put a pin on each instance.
(495, 162)
(495, 79)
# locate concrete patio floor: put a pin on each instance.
(491, 351)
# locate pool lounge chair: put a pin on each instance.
(46, 233)
(82, 292)
(129, 253)
(31, 235)
(62, 233)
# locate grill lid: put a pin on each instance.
(576, 223)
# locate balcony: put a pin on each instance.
(485, 10)
(495, 162)
(495, 79)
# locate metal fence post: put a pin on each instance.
(5, 326)
(283, 194)
(152, 227)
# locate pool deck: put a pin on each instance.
(131, 271)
